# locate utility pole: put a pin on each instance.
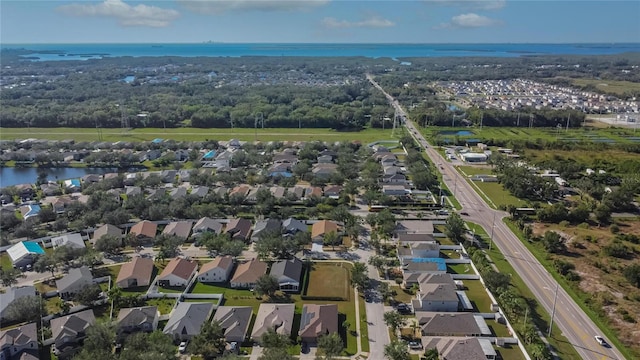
(493, 225)
(481, 118)
(553, 312)
(568, 117)
(518, 123)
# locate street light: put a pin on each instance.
(493, 225)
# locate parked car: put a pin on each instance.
(183, 347)
(404, 309)
(415, 345)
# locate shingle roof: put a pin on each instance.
(14, 293)
(72, 325)
(239, 227)
(448, 323)
(106, 229)
(273, 316)
(323, 227)
(234, 320)
(438, 292)
(73, 240)
(179, 267)
(187, 318)
(180, 229)
(294, 225)
(249, 272)
(208, 224)
(144, 228)
(138, 268)
(82, 274)
(291, 269)
(223, 262)
(318, 319)
(19, 336)
(132, 317)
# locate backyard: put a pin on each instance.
(329, 280)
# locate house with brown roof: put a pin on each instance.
(240, 190)
(217, 270)
(322, 227)
(234, 321)
(19, 343)
(318, 320)
(144, 229)
(248, 273)
(136, 272)
(312, 191)
(137, 319)
(177, 273)
(239, 229)
(207, 224)
(181, 229)
(106, 229)
(277, 317)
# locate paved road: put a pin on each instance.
(572, 321)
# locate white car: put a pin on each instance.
(601, 340)
(182, 347)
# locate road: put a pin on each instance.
(572, 321)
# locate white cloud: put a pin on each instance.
(221, 6)
(127, 15)
(472, 4)
(469, 20)
(372, 22)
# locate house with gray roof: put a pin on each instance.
(51, 189)
(207, 224)
(177, 193)
(200, 191)
(277, 317)
(452, 324)
(187, 319)
(421, 249)
(19, 343)
(106, 229)
(73, 240)
(266, 226)
(76, 280)
(292, 226)
(414, 227)
(69, 331)
(461, 348)
(133, 190)
(181, 229)
(288, 273)
(137, 319)
(11, 294)
(436, 298)
(234, 321)
(428, 278)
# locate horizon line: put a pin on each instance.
(322, 43)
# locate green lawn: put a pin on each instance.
(164, 305)
(364, 327)
(5, 262)
(460, 269)
(492, 190)
(477, 295)
(194, 134)
(402, 295)
(329, 280)
(512, 352)
(610, 86)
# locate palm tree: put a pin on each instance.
(396, 350)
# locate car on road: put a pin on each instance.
(182, 347)
(601, 340)
(464, 213)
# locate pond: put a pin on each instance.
(14, 175)
(456, 132)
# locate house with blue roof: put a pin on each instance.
(73, 185)
(157, 141)
(28, 211)
(209, 155)
(24, 253)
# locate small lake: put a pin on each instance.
(13, 175)
(456, 132)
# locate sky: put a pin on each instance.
(319, 21)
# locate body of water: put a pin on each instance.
(13, 175)
(54, 52)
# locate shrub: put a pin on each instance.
(583, 225)
(572, 276)
(614, 229)
(616, 249)
(564, 223)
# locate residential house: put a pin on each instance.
(181, 155)
(130, 179)
(168, 176)
(29, 211)
(221, 161)
(395, 179)
(150, 155)
(207, 224)
(60, 203)
(73, 240)
(177, 193)
(332, 191)
(277, 317)
(278, 191)
(200, 191)
(318, 320)
(234, 144)
(324, 171)
(325, 159)
(221, 191)
(73, 185)
(429, 278)
(388, 160)
(68, 332)
(312, 191)
(19, 343)
(187, 319)
(135, 273)
(144, 230)
(404, 239)
(181, 229)
(217, 270)
(297, 191)
(390, 170)
(247, 274)
(133, 191)
(322, 227)
(156, 194)
(106, 229)
(11, 294)
(292, 226)
(421, 249)
(461, 348)
(436, 298)
(51, 189)
(234, 321)
(266, 226)
(240, 190)
(239, 228)
(137, 319)
(76, 280)
(288, 273)
(91, 178)
(452, 324)
(177, 273)
(25, 191)
(327, 152)
(395, 190)
(24, 253)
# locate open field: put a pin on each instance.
(330, 280)
(610, 86)
(193, 134)
(493, 191)
(486, 134)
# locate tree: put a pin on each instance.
(529, 333)
(359, 276)
(496, 282)
(331, 238)
(396, 350)
(454, 227)
(385, 291)
(100, 337)
(394, 320)
(267, 285)
(10, 277)
(271, 339)
(540, 351)
(331, 345)
(632, 274)
(153, 346)
(272, 353)
(88, 295)
(46, 262)
(109, 244)
(25, 309)
(46, 214)
(553, 242)
(431, 354)
(210, 343)
(603, 214)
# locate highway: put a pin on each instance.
(572, 321)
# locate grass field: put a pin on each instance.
(493, 191)
(610, 86)
(330, 280)
(194, 134)
(478, 295)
